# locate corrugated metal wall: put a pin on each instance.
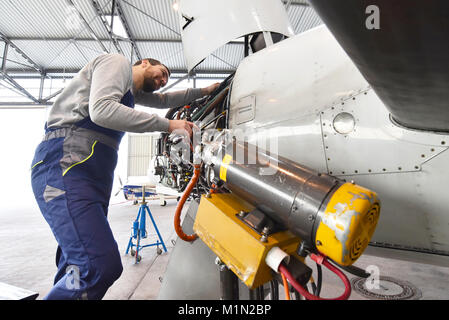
(140, 152)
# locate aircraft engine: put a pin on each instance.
(331, 216)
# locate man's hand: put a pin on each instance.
(208, 90)
(180, 125)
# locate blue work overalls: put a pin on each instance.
(72, 175)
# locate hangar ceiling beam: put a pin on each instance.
(88, 27)
(106, 25)
(122, 39)
(7, 78)
(9, 43)
(291, 3)
(22, 74)
(17, 86)
(4, 59)
(125, 23)
(23, 105)
(175, 83)
(151, 17)
(46, 99)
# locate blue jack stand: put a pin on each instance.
(139, 231)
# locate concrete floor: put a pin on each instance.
(28, 247)
(27, 259)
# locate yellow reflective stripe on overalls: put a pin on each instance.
(37, 164)
(93, 146)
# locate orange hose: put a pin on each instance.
(287, 292)
(187, 191)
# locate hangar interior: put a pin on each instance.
(44, 44)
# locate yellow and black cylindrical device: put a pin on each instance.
(332, 216)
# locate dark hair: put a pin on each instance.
(153, 62)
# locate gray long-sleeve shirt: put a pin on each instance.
(96, 91)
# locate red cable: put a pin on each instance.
(309, 296)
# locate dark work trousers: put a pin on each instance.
(72, 175)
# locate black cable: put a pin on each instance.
(252, 294)
(274, 287)
(260, 293)
(213, 120)
(319, 280)
(227, 107)
(351, 269)
(295, 292)
(172, 111)
(297, 295)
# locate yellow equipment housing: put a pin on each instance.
(237, 245)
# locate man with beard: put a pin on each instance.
(73, 167)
